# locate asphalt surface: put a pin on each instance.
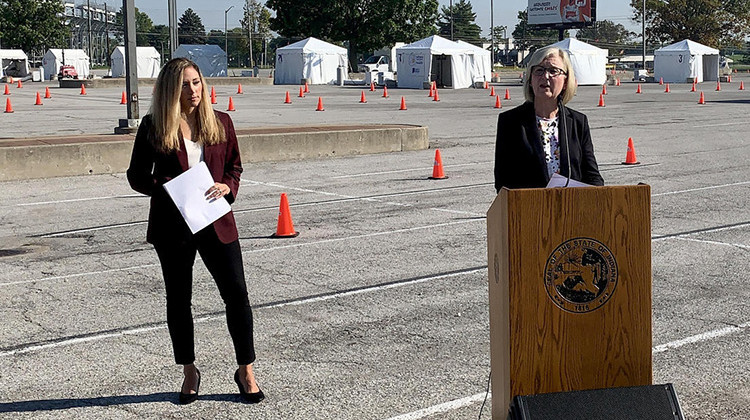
(378, 309)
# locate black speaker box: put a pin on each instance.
(653, 402)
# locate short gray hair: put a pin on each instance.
(539, 55)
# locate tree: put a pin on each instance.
(531, 39)
(256, 21)
(144, 26)
(604, 33)
(716, 23)
(159, 39)
(464, 27)
(190, 28)
(33, 25)
(367, 25)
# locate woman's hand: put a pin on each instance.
(217, 191)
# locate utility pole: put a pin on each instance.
(174, 41)
(643, 34)
(248, 18)
(88, 20)
(130, 124)
(492, 30)
(451, 6)
(106, 36)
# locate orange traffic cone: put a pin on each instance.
(8, 106)
(666, 89)
(492, 91)
(403, 104)
(617, 82)
(435, 96)
(718, 85)
(38, 99)
(497, 102)
(437, 167)
(19, 85)
(742, 85)
(231, 105)
(729, 79)
(372, 86)
(630, 156)
(487, 85)
(639, 88)
(213, 96)
(320, 104)
(285, 227)
(702, 100)
(47, 95)
(7, 90)
(287, 99)
(307, 88)
(507, 95)
(362, 98)
(661, 81)
(301, 92)
(239, 89)
(432, 92)
(601, 100)
(124, 98)
(83, 89)
(604, 89)
(693, 88)
(385, 91)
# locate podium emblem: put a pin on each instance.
(580, 275)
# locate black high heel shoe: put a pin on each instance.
(250, 397)
(189, 398)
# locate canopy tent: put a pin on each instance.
(14, 63)
(685, 61)
(589, 62)
(211, 59)
(311, 59)
(149, 62)
(434, 59)
(55, 57)
(481, 62)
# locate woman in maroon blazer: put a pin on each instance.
(542, 136)
(180, 131)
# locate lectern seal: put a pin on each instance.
(580, 275)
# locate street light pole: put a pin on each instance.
(643, 33)
(226, 49)
(451, 6)
(492, 30)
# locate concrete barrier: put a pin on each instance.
(84, 155)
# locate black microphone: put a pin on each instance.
(561, 117)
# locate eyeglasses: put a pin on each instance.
(552, 71)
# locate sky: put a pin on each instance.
(505, 13)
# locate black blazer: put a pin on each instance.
(519, 155)
(150, 169)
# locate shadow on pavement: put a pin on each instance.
(67, 403)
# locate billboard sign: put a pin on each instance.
(562, 13)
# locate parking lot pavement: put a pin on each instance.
(378, 310)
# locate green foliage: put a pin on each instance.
(716, 23)
(256, 20)
(464, 27)
(190, 29)
(143, 27)
(533, 39)
(604, 33)
(33, 25)
(366, 25)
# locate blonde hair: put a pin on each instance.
(165, 109)
(539, 55)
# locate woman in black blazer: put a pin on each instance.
(180, 131)
(542, 136)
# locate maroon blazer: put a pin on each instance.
(150, 169)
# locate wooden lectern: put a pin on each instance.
(570, 290)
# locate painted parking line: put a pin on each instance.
(441, 408)
(425, 169)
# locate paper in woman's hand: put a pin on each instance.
(188, 193)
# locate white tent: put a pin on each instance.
(311, 59)
(55, 57)
(211, 59)
(434, 58)
(685, 60)
(481, 62)
(149, 62)
(14, 63)
(589, 62)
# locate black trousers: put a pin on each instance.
(224, 262)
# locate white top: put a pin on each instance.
(194, 152)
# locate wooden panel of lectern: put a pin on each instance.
(570, 290)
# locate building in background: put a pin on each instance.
(91, 24)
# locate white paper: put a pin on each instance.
(188, 193)
(558, 180)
